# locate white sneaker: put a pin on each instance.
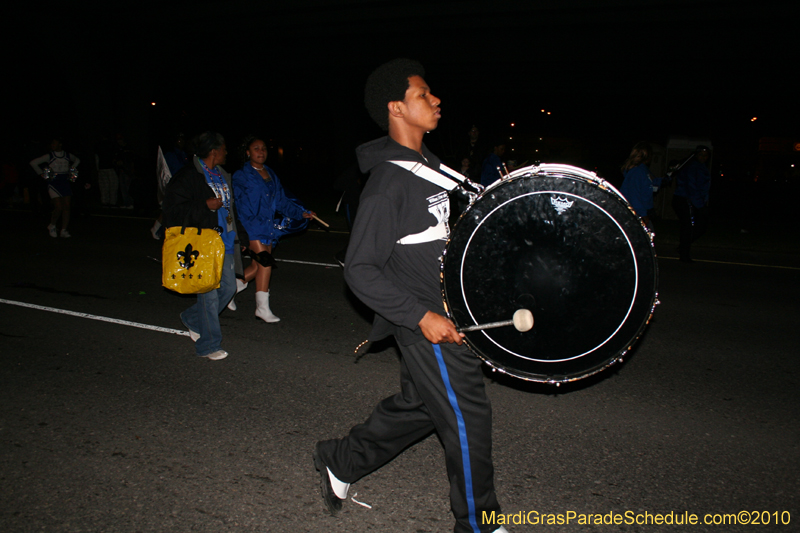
(232, 304)
(65, 234)
(192, 334)
(154, 233)
(216, 356)
(52, 229)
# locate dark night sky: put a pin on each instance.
(610, 71)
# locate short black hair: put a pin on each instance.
(207, 141)
(388, 83)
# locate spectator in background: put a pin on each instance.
(489, 170)
(690, 201)
(173, 160)
(465, 166)
(474, 154)
(107, 179)
(177, 158)
(59, 173)
(638, 186)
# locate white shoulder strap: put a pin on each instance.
(428, 174)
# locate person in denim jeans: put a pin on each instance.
(200, 196)
(203, 317)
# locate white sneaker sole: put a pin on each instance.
(216, 356)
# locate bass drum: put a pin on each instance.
(564, 244)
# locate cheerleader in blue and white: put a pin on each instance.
(259, 196)
(59, 170)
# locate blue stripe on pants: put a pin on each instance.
(462, 437)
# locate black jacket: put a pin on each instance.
(185, 203)
(399, 281)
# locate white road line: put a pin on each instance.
(96, 317)
(335, 265)
(733, 263)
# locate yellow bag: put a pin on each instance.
(192, 260)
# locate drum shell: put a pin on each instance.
(565, 244)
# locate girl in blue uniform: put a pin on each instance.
(259, 196)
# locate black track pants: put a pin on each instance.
(442, 390)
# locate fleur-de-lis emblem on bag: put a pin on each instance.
(189, 256)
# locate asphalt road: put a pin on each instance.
(112, 428)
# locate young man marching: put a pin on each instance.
(392, 265)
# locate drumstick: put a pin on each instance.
(320, 221)
(522, 321)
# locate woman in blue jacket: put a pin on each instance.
(639, 186)
(259, 197)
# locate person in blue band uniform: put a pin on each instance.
(639, 186)
(690, 200)
(260, 197)
(200, 196)
(392, 265)
(60, 164)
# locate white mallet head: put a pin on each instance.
(523, 320)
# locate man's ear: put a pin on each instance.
(395, 108)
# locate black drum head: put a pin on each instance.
(568, 249)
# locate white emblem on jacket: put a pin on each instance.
(438, 206)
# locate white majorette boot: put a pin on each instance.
(262, 308)
(240, 286)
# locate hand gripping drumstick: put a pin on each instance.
(522, 321)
